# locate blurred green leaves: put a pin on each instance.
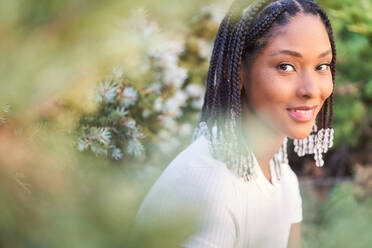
(53, 53)
(352, 22)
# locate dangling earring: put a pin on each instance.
(241, 163)
(316, 143)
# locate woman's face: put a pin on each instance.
(290, 79)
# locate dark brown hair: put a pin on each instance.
(242, 34)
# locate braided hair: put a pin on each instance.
(242, 34)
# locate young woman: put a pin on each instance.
(271, 78)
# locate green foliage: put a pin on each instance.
(163, 107)
(53, 195)
(113, 126)
(343, 220)
(352, 22)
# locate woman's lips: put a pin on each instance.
(302, 114)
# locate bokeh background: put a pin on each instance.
(97, 97)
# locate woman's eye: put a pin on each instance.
(286, 67)
(324, 67)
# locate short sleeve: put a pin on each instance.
(296, 213)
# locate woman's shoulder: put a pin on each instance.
(193, 170)
(192, 179)
(196, 157)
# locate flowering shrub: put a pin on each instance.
(117, 128)
(130, 118)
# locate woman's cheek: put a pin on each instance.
(280, 90)
(327, 88)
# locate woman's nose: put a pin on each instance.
(308, 86)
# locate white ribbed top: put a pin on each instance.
(234, 213)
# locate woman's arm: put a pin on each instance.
(295, 236)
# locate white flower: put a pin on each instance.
(103, 135)
(120, 111)
(173, 104)
(117, 154)
(131, 123)
(158, 104)
(185, 129)
(98, 149)
(164, 60)
(83, 144)
(107, 92)
(194, 90)
(146, 113)
(170, 49)
(139, 20)
(169, 123)
(137, 134)
(155, 88)
(150, 29)
(217, 13)
(164, 134)
(197, 103)
(165, 57)
(175, 47)
(165, 54)
(135, 147)
(205, 48)
(130, 96)
(175, 76)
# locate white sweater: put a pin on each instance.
(234, 212)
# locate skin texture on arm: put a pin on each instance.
(295, 236)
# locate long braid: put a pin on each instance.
(239, 36)
(246, 36)
(324, 114)
(256, 31)
(330, 121)
(235, 52)
(220, 85)
(311, 6)
(328, 25)
(209, 96)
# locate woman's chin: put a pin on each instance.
(299, 137)
(301, 134)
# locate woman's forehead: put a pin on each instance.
(305, 33)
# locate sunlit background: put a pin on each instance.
(97, 97)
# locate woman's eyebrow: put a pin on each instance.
(297, 54)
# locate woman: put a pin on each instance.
(271, 78)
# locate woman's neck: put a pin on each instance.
(264, 142)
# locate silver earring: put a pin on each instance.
(316, 143)
(240, 164)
